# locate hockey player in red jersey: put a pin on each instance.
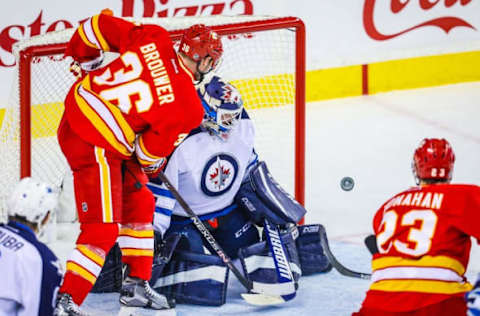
(120, 121)
(423, 241)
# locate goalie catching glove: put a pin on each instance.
(262, 197)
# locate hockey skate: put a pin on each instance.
(66, 307)
(136, 292)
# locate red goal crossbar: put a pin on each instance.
(28, 54)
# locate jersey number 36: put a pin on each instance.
(129, 89)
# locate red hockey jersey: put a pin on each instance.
(144, 101)
(423, 237)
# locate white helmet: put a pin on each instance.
(32, 200)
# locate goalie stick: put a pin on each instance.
(282, 266)
(258, 292)
(337, 265)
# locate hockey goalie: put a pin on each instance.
(217, 172)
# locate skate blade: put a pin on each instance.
(139, 311)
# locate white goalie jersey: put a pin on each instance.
(206, 170)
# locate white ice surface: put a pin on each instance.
(372, 140)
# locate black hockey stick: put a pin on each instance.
(337, 265)
(258, 292)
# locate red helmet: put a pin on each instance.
(199, 41)
(433, 159)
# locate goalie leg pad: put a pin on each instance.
(164, 249)
(191, 239)
(233, 231)
(310, 250)
(258, 264)
(262, 196)
(193, 278)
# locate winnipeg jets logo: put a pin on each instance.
(219, 174)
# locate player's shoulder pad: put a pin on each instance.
(33, 251)
(456, 188)
(143, 33)
(43, 249)
(154, 29)
(459, 186)
(470, 190)
(46, 252)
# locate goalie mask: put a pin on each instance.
(433, 160)
(32, 200)
(223, 106)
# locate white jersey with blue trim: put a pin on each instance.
(31, 273)
(206, 170)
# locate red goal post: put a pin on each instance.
(264, 57)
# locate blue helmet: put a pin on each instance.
(223, 105)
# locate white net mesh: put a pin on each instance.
(260, 64)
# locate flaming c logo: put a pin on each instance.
(446, 23)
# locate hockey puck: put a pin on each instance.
(347, 183)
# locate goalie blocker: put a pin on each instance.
(182, 270)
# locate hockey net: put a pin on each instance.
(264, 58)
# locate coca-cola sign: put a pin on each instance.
(444, 22)
(11, 34)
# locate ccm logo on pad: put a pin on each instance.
(310, 229)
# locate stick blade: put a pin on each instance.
(262, 299)
(335, 263)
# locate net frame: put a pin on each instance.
(27, 53)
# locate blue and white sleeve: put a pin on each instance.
(29, 277)
(40, 277)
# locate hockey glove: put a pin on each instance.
(152, 170)
(371, 243)
(80, 69)
(473, 300)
